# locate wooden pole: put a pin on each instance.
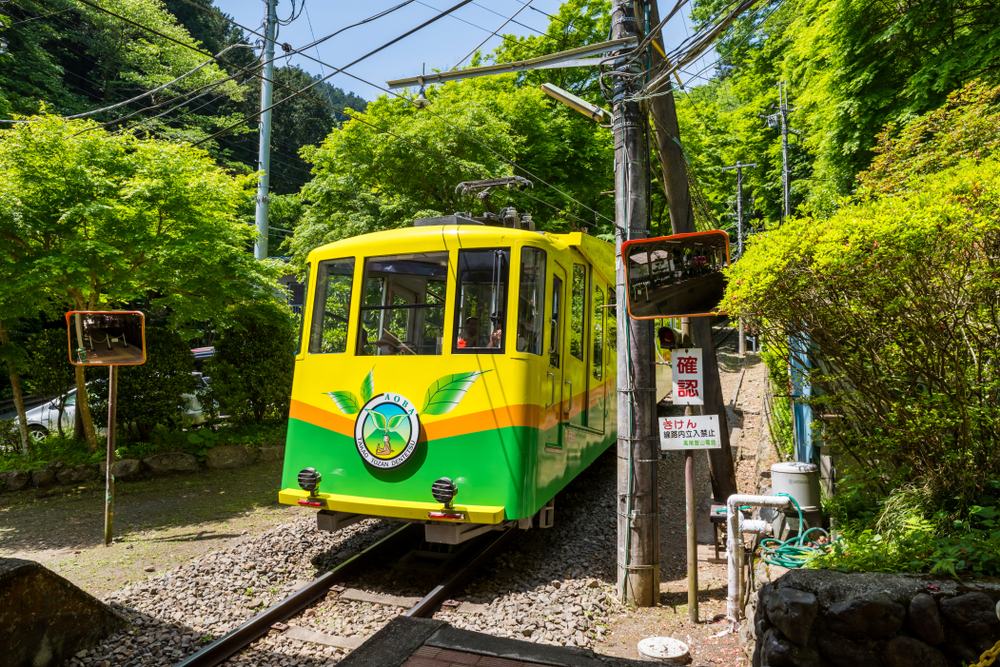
(109, 478)
(638, 447)
(675, 183)
(691, 505)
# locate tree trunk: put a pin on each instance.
(675, 185)
(83, 409)
(15, 383)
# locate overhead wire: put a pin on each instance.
(502, 25)
(507, 160)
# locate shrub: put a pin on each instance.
(254, 357)
(149, 394)
(898, 302)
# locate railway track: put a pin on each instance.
(467, 563)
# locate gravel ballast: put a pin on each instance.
(550, 586)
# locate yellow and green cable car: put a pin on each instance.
(453, 374)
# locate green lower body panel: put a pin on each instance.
(508, 467)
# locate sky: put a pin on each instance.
(441, 45)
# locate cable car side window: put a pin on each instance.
(554, 321)
(597, 362)
(332, 306)
(402, 307)
(531, 301)
(301, 315)
(480, 310)
(578, 311)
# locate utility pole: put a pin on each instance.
(638, 447)
(739, 166)
(773, 120)
(785, 185)
(675, 183)
(264, 155)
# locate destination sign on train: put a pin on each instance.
(676, 276)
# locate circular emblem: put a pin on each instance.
(387, 430)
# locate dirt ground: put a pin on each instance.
(158, 523)
(671, 618)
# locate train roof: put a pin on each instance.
(599, 253)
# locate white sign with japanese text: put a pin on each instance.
(694, 432)
(688, 377)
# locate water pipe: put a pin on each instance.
(736, 525)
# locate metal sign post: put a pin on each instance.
(109, 478)
(689, 433)
(109, 338)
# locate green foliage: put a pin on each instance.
(966, 129)
(10, 439)
(149, 394)
(252, 368)
(72, 57)
(910, 536)
(897, 301)
(851, 67)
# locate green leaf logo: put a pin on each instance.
(378, 418)
(346, 401)
(447, 392)
(368, 386)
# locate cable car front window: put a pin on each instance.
(402, 311)
(480, 314)
(332, 306)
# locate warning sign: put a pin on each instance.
(694, 432)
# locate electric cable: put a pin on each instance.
(423, 25)
(398, 95)
(492, 34)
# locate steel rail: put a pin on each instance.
(229, 644)
(430, 602)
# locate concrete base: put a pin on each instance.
(45, 619)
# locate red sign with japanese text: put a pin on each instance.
(688, 377)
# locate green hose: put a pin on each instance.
(795, 552)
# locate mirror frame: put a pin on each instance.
(627, 244)
(69, 334)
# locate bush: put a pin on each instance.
(49, 372)
(254, 357)
(898, 302)
(149, 394)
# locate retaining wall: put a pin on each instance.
(821, 618)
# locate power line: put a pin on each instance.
(502, 25)
(444, 120)
(343, 111)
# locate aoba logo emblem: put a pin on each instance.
(387, 431)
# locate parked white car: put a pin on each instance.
(44, 419)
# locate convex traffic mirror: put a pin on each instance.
(676, 276)
(106, 338)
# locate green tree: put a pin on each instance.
(254, 357)
(97, 220)
(367, 179)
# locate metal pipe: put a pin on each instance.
(735, 527)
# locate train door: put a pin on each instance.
(575, 372)
(556, 408)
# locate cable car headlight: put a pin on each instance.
(444, 491)
(309, 480)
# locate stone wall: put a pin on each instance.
(218, 457)
(820, 618)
